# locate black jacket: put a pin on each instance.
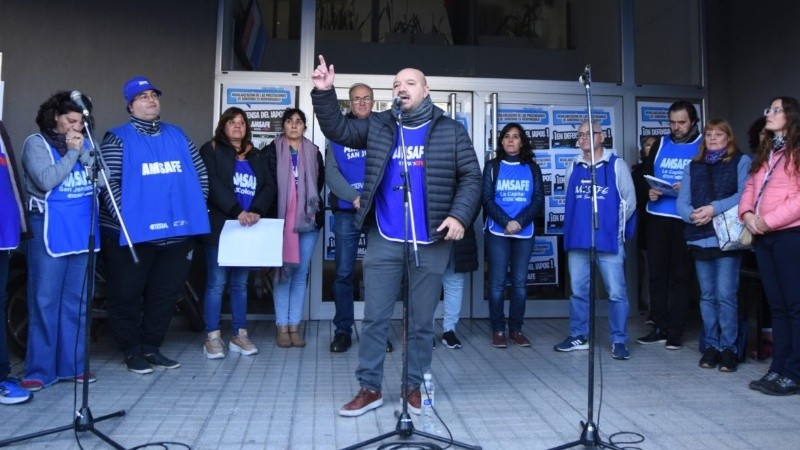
(452, 174)
(220, 160)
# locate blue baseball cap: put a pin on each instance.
(136, 86)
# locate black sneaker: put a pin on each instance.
(758, 384)
(450, 340)
(674, 343)
(728, 361)
(656, 336)
(781, 386)
(389, 347)
(341, 342)
(137, 364)
(157, 359)
(710, 358)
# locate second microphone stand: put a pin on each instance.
(590, 434)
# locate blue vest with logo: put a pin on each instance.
(389, 199)
(351, 163)
(68, 212)
(161, 194)
(244, 184)
(10, 227)
(578, 208)
(668, 165)
(513, 192)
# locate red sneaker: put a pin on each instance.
(364, 401)
(32, 385)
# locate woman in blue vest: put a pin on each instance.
(240, 187)
(713, 183)
(512, 195)
(59, 199)
(297, 164)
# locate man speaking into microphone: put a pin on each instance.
(445, 183)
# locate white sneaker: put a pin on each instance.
(214, 348)
(241, 344)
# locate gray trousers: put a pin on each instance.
(383, 274)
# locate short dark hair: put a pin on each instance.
(59, 103)
(290, 112)
(687, 106)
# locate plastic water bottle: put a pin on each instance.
(428, 417)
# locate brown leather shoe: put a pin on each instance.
(499, 340)
(414, 398)
(364, 401)
(518, 338)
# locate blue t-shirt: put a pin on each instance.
(513, 192)
(244, 183)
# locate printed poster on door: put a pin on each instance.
(264, 106)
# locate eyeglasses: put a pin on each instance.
(366, 99)
(774, 111)
(582, 135)
(146, 97)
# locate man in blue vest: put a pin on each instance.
(616, 205)
(670, 264)
(159, 182)
(344, 175)
(445, 184)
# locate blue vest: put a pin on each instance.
(351, 164)
(68, 212)
(513, 192)
(724, 178)
(161, 194)
(668, 165)
(389, 200)
(244, 184)
(578, 208)
(10, 227)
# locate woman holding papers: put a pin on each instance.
(712, 184)
(241, 187)
(300, 177)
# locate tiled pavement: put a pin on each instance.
(527, 398)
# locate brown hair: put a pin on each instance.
(725, 127)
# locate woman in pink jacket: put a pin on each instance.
(770, 208)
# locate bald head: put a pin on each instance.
(411, 86)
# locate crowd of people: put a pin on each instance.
(161, 197)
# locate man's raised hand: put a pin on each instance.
(323, 75)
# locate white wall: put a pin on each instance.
(95, 45)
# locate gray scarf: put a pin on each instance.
(420, 114)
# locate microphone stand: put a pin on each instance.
(590, 435)
(84, 420)
(405, 427)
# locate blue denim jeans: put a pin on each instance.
(501, 252)
(290, 294)
(719, 283)
(612, 269)
(56, 311)
(347, 236)
(453, 285)
(215, 287)
(5, 365)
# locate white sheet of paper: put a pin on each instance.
(259, 245)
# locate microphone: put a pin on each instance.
(586, 77)
(397, 103)
(77, 98)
